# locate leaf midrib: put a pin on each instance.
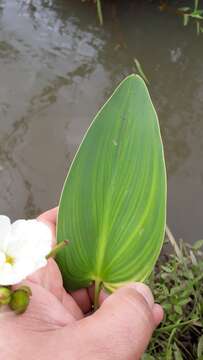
(102, 240)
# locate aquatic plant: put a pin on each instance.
(113, 204)
(187, 12)
(194, 13)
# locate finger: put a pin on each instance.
(145, 292)
(49, 217)
(45, 312)
(158, 314)
(71, 305)
(50, 279)
(127, 318)
(85, 298)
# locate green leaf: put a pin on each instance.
(200, 347)
(198, 245)
(113, 204)
(147, 357)
(177, 353)
(167, 307)
(196, 15)
(169, 353)
(178, 309)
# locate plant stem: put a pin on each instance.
(173, 242)
(57, 248)
(99, 12)
(96, 294)
(176, 326)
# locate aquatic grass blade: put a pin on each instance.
(99, 12)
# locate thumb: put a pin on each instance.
(122, 327)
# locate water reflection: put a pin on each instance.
(57, 66)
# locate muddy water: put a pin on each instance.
(57, 66)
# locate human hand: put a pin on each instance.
(55, 325)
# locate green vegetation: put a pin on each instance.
(188, 13)
(176, 281)
(177, 285)
(113, 204)
(194, 13)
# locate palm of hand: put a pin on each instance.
(55, 326)
(51, 310)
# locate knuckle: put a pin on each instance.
(136, 303)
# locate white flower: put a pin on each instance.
(23, 248)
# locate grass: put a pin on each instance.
(177, 284)
(188, 13)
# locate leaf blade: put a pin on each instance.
(114, 198)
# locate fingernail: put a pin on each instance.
(145, 291)
(158, 314)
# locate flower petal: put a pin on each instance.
(5, 230)
(8, 275)
(30, 237)
(19, 229)
(28, 242)
(2, 258)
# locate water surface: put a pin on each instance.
(58, 66)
